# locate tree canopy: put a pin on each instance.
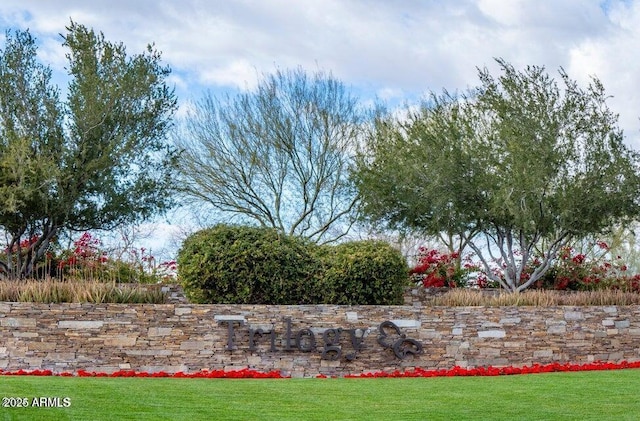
(277, 156)
(515, 168)
(95, 161)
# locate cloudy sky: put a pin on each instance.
(393, 50)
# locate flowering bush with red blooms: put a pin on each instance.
(437, 270)
(87, 260)
(579, 271)
(84, 257)
(24, 244)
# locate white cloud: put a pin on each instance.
(613, 58)
(409, 46)
(238, 73)
(379, 47)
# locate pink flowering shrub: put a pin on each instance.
(571, 270)
(587, 272)
(88, 259)
(436, 270)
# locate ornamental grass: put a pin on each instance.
(56, 291)
(539, 298)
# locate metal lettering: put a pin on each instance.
(252, 342)
(357, 342)
(288, 338)
(403, 346)
(390, 337)
(230, 333)
(332, 350)
(300, 343)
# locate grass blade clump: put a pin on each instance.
(538, 298)
(56, 291)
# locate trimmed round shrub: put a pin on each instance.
(364, 272)
(230, 264)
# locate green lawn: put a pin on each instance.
(602, 395)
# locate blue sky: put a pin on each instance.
(393, 50)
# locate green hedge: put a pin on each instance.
(245, 265)
(365, 272)
(230, 264)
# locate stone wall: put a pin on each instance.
(308, 340)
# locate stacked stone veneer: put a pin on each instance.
(184, 337)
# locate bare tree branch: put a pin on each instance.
(279, 156)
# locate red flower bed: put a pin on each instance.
(204, 374)
(502, 371)
(417, 372)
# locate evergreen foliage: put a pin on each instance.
(258, 265)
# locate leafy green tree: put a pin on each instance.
(94, 161)
(278, 156)
(520, 165)
(393, 175)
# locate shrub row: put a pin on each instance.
(231, 264)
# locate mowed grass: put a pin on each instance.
(599, 395)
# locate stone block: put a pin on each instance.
(181, 311)
(489, 352)
(229, 318)
(254, 361)
(159, 331)
(193, 345)
(25, 334)
(452, 350)
(18, 322)
(573, 315)
(80, 324)
(489, 324)
(510, 321)
(616, 356)
(61, 356)
(41, 346)
(543, 353)
(120, 341)
(492, 334)
(352, 316)
(557, 329)
(622, 324)
(407, 323)
(283, 364)
(149, 352)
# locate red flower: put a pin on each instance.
(247, 373)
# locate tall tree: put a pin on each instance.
(408, 158)
(96, 161)
(531, 165)
(278, 156)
